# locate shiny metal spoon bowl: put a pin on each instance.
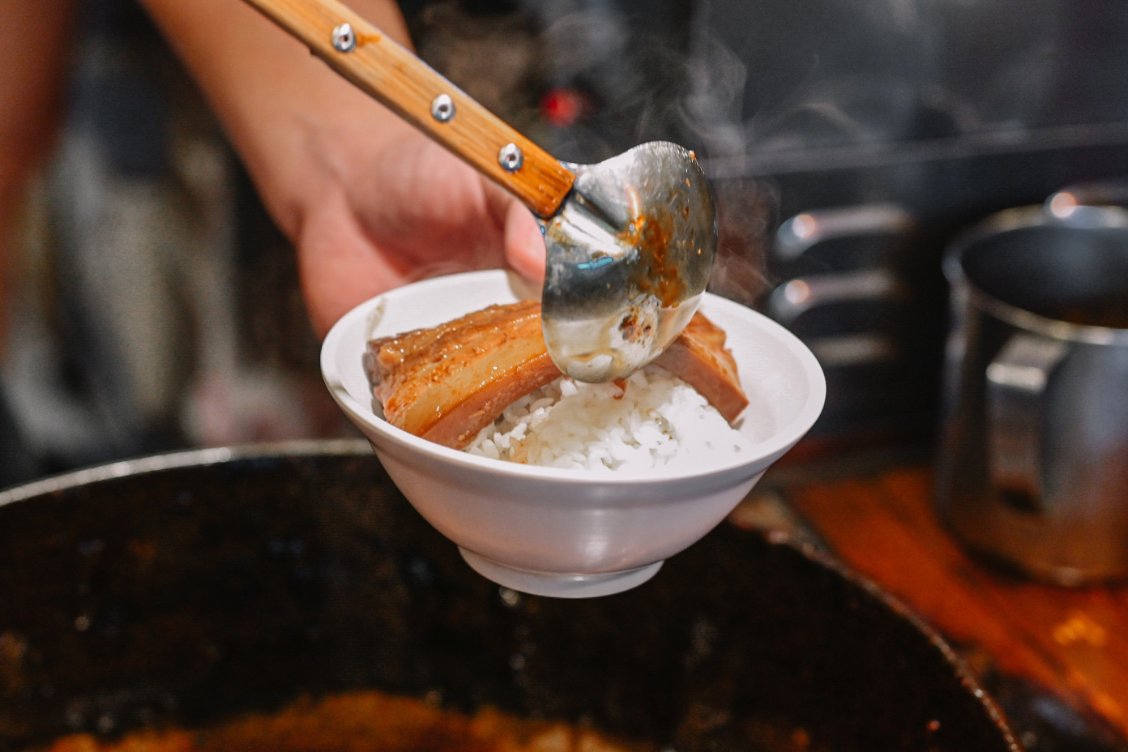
(629, 257)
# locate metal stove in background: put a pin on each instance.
(880, 131)
(848, 144)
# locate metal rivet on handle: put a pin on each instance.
(510, 157)
(344, 40)
(442, 108)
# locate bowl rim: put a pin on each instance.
(761, 454)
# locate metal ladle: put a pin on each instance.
(631, 240)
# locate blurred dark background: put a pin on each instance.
(848, 144)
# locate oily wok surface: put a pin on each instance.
(180, 591)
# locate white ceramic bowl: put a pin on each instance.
(567, 532)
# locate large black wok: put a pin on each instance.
(186, 589)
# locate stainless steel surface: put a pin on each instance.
(344, 40)
(1034, 459)
(802, 232)
(628, 260)
(793, 299)
(510, 157)
(949, 110)
(1016, 396)
(1112, 192)
(442, 109)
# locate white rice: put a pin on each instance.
(655, 421)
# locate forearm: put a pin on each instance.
(287, 114)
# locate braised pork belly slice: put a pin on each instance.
(699, 357)
(448, 382)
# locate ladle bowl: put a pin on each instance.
(628, 260)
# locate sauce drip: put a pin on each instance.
(659, 273)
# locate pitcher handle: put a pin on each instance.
(1017, 381)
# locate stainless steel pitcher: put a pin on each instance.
(1033, 465)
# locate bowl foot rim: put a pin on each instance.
(559, 585)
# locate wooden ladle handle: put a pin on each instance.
(396, 77)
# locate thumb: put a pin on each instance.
(524, 244)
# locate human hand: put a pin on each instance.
(368, 201)
(402, 210)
